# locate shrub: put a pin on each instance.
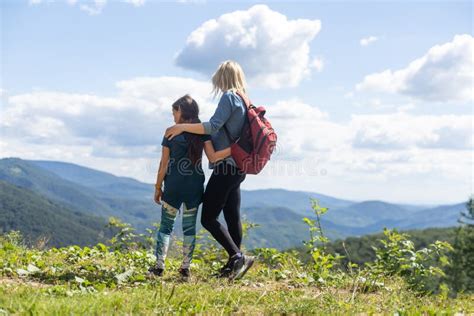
(421, 269)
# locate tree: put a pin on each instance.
(461, 273)
(467, 218)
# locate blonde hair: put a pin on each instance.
(228, 76)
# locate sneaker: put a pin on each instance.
(155, 271)
(224, 272)
(247, 264)
(185, 274)
(236, 265)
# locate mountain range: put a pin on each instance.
(90, 196)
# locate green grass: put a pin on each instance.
(106, 280)
(263, 290)
(221, 298)
(252, 295)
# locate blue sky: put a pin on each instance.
(403, 136)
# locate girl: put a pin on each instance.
(223, 189)
(181, 171)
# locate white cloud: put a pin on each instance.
(191, 1)
(368, 40)
(405, 131)
(445, 73)
(370, 155)
(317, 64)
(303, 129)
(273, 50)
(137, 116)
(141, 110)
(92, 7)
(137, 3)
(122, 134)
(163, 89)
(139, 166)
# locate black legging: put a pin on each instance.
(223, 193)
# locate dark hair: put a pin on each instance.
(190, 114)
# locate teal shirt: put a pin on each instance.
(184, 182)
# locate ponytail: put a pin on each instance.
(190, 114)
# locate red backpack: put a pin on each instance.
(252, 150)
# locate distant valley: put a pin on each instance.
(90, 196)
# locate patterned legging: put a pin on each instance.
(168, 217)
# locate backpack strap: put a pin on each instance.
(246, 100)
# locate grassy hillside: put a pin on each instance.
(37, 217)
(104, 280)
(254, 296)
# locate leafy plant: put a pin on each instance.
(125, 238)
(397, 256)
(322, 262)
(208, 251)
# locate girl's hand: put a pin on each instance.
(158, 194)
(173, 131)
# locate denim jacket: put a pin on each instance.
(231, 113)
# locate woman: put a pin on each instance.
(223, 189)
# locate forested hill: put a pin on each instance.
(38, 217)
(278, 212)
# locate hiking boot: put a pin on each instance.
(185, 274)
(156, 271)
(247, 264)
